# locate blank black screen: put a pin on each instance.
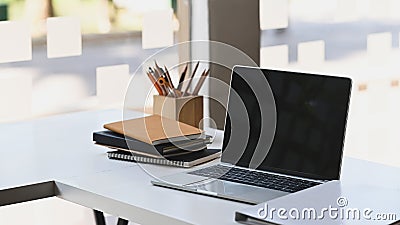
(311, 115)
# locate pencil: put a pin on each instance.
(191, 78)
(154, 82)
(200, 82)
(163, 82)
(155, 74)
(177, 93)
(168, 77)
(159, 69)
(182, 77)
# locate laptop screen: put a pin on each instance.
(286, 122)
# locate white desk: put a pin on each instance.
(60, 150)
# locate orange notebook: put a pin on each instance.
(155, 130)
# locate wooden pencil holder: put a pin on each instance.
(187, 110)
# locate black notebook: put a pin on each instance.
(112, 139)
(186, 160)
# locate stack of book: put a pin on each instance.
(157, 140)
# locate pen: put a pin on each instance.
(168, 77)
(191, 78)
(200, 82)
(154, 73)
(159, 69)
(182, 77)
(176, 92)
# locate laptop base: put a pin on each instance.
(218, 188)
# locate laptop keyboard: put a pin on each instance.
(255, 178)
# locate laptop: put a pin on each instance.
(284, 132)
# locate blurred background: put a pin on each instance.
(96, 16)
(353, 38)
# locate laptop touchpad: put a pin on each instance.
(182, 179)
(260, 195)
(223, 187)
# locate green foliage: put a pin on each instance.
(8, 1)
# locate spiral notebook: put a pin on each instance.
(187, 160)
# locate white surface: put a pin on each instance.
(379, 45)
(59, 91)
(346, 11)
(157, 29)
(16, 43)
(274, 56)
(15, 96)
(379, 9)
(132, 187)
(47, 211)
(64, 37)
(311, 53)
(112, 83)
(394, 6)
(274, 14)
(54, 147)
(60, 148)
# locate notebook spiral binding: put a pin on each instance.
(140, 159)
